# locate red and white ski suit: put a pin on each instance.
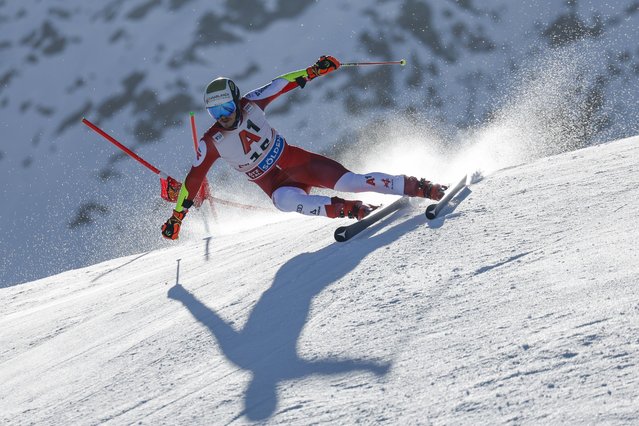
(284, 172)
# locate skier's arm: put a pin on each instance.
(205, 157)
(287, 82)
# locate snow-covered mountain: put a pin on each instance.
(519, 305)
(546, 75)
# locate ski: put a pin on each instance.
(434, 209)
(345, 233)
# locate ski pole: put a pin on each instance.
(401, 62)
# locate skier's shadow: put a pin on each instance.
(267, 345)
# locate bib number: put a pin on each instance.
(251, 139)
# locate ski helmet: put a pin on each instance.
(221, 91)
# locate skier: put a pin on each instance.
(243, 137)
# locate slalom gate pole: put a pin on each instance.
(154, 169)
(193, 130)
(132, 154)
(401, 62)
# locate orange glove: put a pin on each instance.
(171, 229)
(324, 65)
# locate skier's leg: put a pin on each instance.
(311, 169)
(322, 172)
(314, 170)
(389, 184)
(371, 182)
(293, 199)
(319, 171)
(304, 169)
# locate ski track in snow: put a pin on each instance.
(519, 305)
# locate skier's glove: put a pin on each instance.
(171, 228)
(324, 65)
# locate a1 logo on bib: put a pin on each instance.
(200, 154)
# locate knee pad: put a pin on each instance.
(287, 198)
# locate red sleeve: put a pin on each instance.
(205, 156)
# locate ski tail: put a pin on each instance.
(345, 233)
(434, 209)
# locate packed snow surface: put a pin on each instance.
(520, 304)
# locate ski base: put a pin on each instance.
(434, 209)
(345, 233)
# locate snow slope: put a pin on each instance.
(520, 305)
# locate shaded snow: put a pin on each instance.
(520, 304)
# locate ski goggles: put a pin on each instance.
(223, 110)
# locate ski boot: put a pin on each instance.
(423, 188)
(352, 209)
